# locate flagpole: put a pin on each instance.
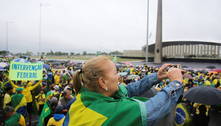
(147, 31)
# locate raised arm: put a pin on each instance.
(4, 83)
(139, 87)
(162, 103)
(34, 86)
(13, 84)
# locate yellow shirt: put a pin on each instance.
(185, 81)
(40, 99)
(22, 120)
(7, 99)
(131, 70)
(27, 90)
(215, 81)
(207, 83)
(56, 79)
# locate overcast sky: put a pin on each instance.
(104, 25)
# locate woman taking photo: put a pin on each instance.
(100, 100)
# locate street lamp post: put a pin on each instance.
(39, 30)
(40, 27)
(158, 43)
(147, 36)
(7, 34)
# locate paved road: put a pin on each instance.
(193, 65)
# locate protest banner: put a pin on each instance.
(25, 71)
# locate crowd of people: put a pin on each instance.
(102, 93)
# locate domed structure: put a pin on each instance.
(187, 49)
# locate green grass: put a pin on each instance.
(125, 59)
(84, 58)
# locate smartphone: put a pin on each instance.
(173, 66)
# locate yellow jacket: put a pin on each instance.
(7, 99)
(22, 121)
(57, 79)
(27, 90)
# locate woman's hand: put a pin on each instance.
(162, 73)
(175, 74)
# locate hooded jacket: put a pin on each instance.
(56, 120)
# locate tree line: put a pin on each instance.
(60, 53)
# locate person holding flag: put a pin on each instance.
(8, 92)
(27, 88)
(12, 118)
(40, 100)
(18, 101)
(47, 111)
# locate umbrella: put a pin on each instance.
(46, 66)
(33, 60)
(211, 67)
(215, 70)
(9, 56)
(201, 71)
(2, 69)
(128, 63)
(122, 74)
(21, 60)
(204, 95)
(3, 64)
(71, 63)
(132, 77)
(59, 67)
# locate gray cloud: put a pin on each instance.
(104, 25)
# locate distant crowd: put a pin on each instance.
(46, 102)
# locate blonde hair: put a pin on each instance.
(89, 74)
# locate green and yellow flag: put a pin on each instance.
(18, 101)
(44, 113)
(95, 109)
(182, 115)
(13, 120)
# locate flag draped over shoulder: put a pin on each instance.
(44, 113)
(91, 108)
(13, 120)
(18, 101)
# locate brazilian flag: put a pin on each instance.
(44, 113)
(182, 115)
(18, 101)
(95, 109)
(13, 120)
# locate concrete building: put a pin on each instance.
(187, 49)
(133, 53)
